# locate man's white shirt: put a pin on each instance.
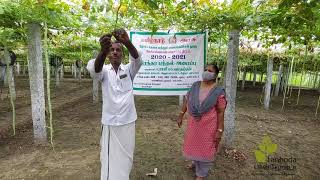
(117, 91)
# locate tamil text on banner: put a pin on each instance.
(172, 62)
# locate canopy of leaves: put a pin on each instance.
(75, 25)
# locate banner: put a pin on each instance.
(172, 62)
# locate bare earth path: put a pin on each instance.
(158, 139)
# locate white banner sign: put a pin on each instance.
(171, 62)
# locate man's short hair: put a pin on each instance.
(117, 42)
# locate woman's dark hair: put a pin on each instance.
(215, 67)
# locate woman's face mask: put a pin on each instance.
(208, 76)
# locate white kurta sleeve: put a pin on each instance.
(135, 65)
(90, 67)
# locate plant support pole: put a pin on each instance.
(289, 80)
(231, 86)
(267, 90)
(293, 77)
(302, 72)
(317, 106)
(48, 81)
(12, 98)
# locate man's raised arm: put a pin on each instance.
(105, 43)
(122, 36)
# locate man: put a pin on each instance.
(118, 110)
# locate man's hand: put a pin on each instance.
(105, 43)
(121, 36)
(179, 120)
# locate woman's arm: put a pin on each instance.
(221, 106)
(220, 115)
(182, 112)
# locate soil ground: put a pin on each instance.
(158, 139)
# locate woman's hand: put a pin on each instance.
(179, 120)
(218, 138)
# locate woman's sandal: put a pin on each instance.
(191, 167)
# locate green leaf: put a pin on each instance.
(271, 148)
(262, 147)
(260, 156)
(1, 10)
(154, 28)
(152, 4)
(266, 140)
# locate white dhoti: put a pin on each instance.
(117, 148)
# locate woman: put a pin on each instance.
(206, 104)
